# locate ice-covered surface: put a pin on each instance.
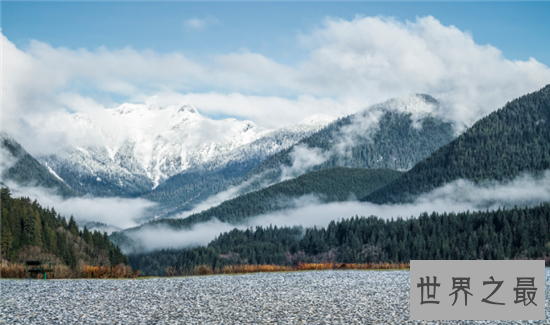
(320, 297)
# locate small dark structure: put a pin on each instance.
(34, 267)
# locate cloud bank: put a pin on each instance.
(351, 64)
(309, 211)
(116, 213)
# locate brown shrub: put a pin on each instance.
(232, 269)
(203, 270)
(235, 269)
(19, 271)
(352, 266)
(120, 271)
(13, 270)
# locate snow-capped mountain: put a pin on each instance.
(139, 146)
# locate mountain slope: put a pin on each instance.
(22, 168)
(135, 148)
(501, 146)
(330, 185)
(38, 233)
(181, 191)
(395, 134)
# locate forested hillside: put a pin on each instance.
(395, 144)
(25, 170)
(331, 185)
(33, 232)
(519, 233)
(182, 191)
(501, 146)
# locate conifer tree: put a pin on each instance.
(73, 227)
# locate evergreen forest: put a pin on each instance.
(517, 233)
(30, 230)
(180, 192)
(512, 140)
(330, 185)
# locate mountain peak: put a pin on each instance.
(188, 108)
(415, 104)
(317, 119)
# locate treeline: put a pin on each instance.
(260, 246)
(501, 146)
(396, 144)
(518, 233)
(30, 231)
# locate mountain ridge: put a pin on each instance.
(19, 166)
(155, 143)
(500, 146)
(394, 134)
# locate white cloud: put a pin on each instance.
(378, 58)
(116, 212)
(200, 24)
(159, 236)
(7, 160)
(269, 111)
(303, 158)
(457, 196)
(352, 64)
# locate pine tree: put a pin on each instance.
(63, 248)
(87, 235)
(73, 227)
(29, 227)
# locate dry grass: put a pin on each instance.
(352, 266)
(233, 269)
(19, 271)
(239, 269)
(13, 270)
(120, 271)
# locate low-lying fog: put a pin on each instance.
(308, 211)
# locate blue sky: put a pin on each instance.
(519, 29)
